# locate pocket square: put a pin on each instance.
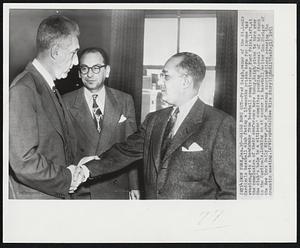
(192, 148)
(122, 119)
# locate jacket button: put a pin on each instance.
(115, 181)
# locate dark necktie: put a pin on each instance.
(68, 153)
(56, 93)
(167, 138)
(97, 114)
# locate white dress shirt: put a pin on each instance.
(183, 112)
(45, 74)
(100, 100)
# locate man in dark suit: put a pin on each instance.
(188, 149)
(102, 117)
(40, 132)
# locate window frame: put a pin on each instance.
(179, 14)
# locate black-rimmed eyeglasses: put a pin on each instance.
(95, 69)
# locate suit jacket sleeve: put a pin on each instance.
(120, 155)
(130, 129)
(224, 159)
(29, 165)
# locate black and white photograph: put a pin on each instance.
(148, 122)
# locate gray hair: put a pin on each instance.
(53, 30)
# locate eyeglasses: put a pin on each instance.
(95, 69)
(165, 77)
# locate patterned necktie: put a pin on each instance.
(168, 135)
(98, 116)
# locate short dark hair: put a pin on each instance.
(96, 50)
(193, 65)
(53, 29)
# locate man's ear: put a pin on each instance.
(187, 81)
(54, 51)
(79, 75)
(107, 71)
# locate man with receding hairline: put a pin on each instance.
(188, 149)
(41, 139)
(102, 116)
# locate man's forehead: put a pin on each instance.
(91, 58)
(71, 43)
(75, 43)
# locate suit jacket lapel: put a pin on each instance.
(48, 99)
(83, 116)
(187, 128)
(112, 114)
(157, 135)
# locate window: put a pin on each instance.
(169, 33)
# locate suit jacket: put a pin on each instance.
(90, 142)
(206, 174)
(40, 139)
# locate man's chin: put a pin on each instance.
(62, 76)
(92, 89)
(165, 99)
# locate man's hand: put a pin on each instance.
(134, 194)
(78, 176)
(80, 173)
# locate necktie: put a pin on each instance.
(69, 156)
(98, 116)
(58, 98)
(167, 138)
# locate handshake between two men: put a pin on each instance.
(80, 173)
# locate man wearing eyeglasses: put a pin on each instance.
(102, 116)
(188, 149)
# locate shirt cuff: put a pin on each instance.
(86, 172)
(72, 169)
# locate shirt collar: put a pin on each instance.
(89, 95)
(45, 74)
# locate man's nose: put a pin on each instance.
(161, 82)
(90, 72)
(75, 60)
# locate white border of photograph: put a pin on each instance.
(270, 220)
